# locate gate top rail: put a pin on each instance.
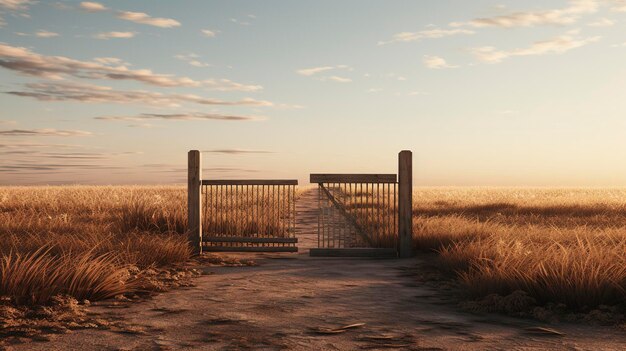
(249, 182)
(353, 178)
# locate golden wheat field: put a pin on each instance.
(563, 246)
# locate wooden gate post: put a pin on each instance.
(405, 204)
(194, 204)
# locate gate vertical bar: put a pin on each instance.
(405, 204)
(194, 200)
(319, 215)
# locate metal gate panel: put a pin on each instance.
(249, 215)
(358, 214)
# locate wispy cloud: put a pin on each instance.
(92, 6)
(137, 17)
(30, 154)
(556, 45)
(44, 132)
(74, 156)
(16, 167)
(39, 34)
(425, 34)
(142, 125)
(40, 158)
(16, 5)
(192, 59)
(22, 145)
(338, 79)
(602, 22)
(25, 61)
(110, 61)
(90, 93)
(7, 122)
(568, 15)
(36, 154)
(46, 34)
(314, 71)
(144, 18)
(436, 62)
(116, 35)
(209, 33)
(193, 116)
(236, 151)
(167, 168)
(244, 21)
(228, 170)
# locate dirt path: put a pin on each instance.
(278, 304)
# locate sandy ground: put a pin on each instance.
(295, 302)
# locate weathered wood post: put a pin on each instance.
(194, 204)
(405, 204)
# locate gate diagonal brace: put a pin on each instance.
(347, 216)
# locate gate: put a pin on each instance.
(240, 215)
(365, 215)
(359, 214)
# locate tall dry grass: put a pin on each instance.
(558, 245)
(82, 240)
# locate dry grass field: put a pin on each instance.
(565, 247)
(560, 246)
(89, 242)
(86, 242)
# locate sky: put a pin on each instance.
(484, 92)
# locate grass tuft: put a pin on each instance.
(36, 277)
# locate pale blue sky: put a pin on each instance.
(483, 92)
